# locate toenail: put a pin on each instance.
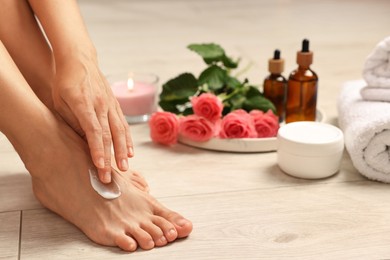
(132, 246)
(151, 244)
(172, 231)
(181, 222)
(163, 239)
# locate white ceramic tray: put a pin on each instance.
(241, 145)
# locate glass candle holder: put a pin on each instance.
(136, 94)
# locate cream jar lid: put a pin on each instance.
(307, 138)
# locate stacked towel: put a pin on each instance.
(376, 72)
(366, 127)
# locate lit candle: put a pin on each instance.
(135, 97)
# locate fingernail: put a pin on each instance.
(124, 164)
(107, 177)
(131, 152)
(100, 162)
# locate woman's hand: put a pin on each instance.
(83, 97)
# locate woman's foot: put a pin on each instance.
(61, 183)
(137, 180)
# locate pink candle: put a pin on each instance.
(135, 100)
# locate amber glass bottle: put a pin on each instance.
(275, 85)
(302, 88)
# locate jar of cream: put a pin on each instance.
(310, 150)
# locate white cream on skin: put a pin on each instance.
(108, 191)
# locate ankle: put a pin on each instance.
(31, 137)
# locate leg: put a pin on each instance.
(28, 47)
(60, 178)
(24, 40)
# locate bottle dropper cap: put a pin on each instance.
(305, 57)
(276, 64)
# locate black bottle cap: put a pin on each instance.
(276, 54)
(305, 45)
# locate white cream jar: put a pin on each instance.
(310, 150)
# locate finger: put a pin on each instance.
(82, 109)
(129, 140)
(102, 115)
(118, 132)
(93, 133)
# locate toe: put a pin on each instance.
(156, 233)
(167, 228)
(143, 238)
(126, 243)
(182, 225)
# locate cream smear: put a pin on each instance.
(108, 191)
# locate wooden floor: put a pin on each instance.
(242, 205)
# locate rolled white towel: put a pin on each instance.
(375, 94)
(376, 72)
(376, 68)
(366, 127)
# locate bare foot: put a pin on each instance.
(138, 180)
(58, 161)
(61, 183)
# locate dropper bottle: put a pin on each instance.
(275, 85)
(302, 88)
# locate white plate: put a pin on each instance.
(241, 145)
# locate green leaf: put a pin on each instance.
(172, 105)
(253, 92)
(226, 109)
(233, 83)
(181, 87)
(210, 52)
(260, 103)
(256, 100)
(237, 102)
(229, 63)
(214, 76)
(188, 111)
(234, 101)
(213, 53)
(177, 91)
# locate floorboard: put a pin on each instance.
(9, 235)
(332, 221)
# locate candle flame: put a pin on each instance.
(130, 84)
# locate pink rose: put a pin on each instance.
(196, 128)
(237, 124)
(164, 128)
(266, 124)
(208, 106)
